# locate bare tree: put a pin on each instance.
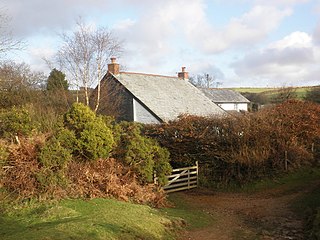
(17, 76)
(84, 56)
(7, 42)
(204, 80)
(283, 94)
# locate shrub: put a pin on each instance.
(143, 154)
(162, 167)
(3, 152)
(95, 141)
(15, 121)
(93, 138)
(66, 138)
(77, 118)
(54, 156)
(244, 148)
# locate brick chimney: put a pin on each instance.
(113, 67)
(183, 74)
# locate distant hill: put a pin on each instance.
(263, 96)
(299, 91)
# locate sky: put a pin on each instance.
(242, 43)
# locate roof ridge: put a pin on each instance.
(148, 74)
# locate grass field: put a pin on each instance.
(271, 92)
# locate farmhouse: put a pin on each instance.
(227, 99)
(148, 98)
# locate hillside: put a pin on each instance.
(271, 92)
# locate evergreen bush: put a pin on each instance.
(54, 156)
(54, 159)
(78, 117)
(143, 154)
(93, 139)
(15, 121)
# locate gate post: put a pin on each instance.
(197, 173)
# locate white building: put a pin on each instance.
(228, 100)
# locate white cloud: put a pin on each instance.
(316, 35)
(287, 61)
(250, 28)
(281, 2)
(124, 24)
(35, 16)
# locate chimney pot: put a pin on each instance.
(113, 67)
(183, 74)
(113, 60)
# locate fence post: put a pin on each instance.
(286, 160)
(197, 173)
(188, 178)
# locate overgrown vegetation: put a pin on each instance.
(74, 160)
(238, 149)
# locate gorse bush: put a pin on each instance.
(54, 159)
(95, 141)
(77, 117)
(15, 121)
(54, 156)
(143, 154)
(93, 138)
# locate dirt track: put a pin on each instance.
(265, 215)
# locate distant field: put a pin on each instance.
(269, 92)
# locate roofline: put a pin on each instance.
(148, 74)
(230, 101)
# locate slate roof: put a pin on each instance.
(168, 97)
(224, 95)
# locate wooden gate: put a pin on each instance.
(182, 179)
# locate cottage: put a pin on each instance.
(227, 99)
(149, 98)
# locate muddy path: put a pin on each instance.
(264, 215)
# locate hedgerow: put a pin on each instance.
(242, 148)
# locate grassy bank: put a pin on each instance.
(193, 217)
(99, 219)
(79, 219)
(287, 182)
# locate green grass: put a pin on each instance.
(308, 206)
(310, 201)
(288, 182)
(195, 218)
(79, 219)
(272, 92)
(254, 90)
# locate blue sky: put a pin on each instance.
(244, 43)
